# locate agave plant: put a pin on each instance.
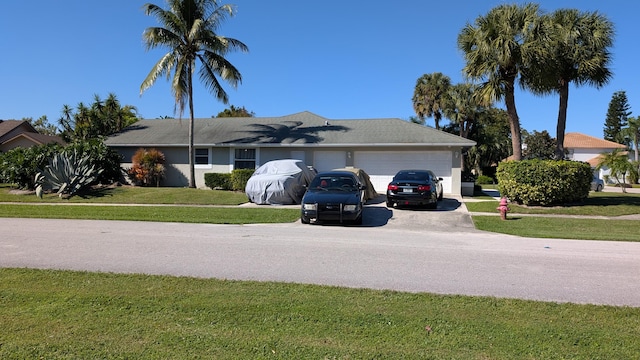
(67, 173)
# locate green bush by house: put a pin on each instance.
(544, 182)
(20, 165)
(218, 181)
(484, 179)
(236, 180)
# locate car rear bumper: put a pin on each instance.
(412, 199)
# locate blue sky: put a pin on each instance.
(339, 59)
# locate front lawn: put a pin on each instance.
(597, 204)
(79, 315)
(184, 214)
(136, 195)
(561, 228)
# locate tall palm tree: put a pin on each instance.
(571, 47)
(429, 96)
(493, 49)
(189, 32)
(462, 107)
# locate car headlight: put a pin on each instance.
(349, 208)
(309, 206)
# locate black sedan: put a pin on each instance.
(333, 196)
(415, 188)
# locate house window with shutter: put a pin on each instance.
(245, 159)
(201, 156)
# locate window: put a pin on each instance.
(245, 159)
(201, 157)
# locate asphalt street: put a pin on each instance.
(406, 250)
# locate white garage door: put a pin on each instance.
(328, 160)
(382, 165)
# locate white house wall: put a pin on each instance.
(381, 165)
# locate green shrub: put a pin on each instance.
(20, 165)
(218, 181)
(483, 179)
(544, 182)
(102, 157)
(239, 178)
(69, 173)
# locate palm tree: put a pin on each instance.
(462, 107)
(571, 47)
(632, 131)
(189, 32)
(429, 96)
(493, 49)
(618, 164)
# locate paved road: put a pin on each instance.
(416, 251)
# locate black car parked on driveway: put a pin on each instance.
(333, 196)
(415, 188)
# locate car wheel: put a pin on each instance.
(304, 220)
(599, 187)
(389, 204)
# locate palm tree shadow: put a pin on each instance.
(286, 132)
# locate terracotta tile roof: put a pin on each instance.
(576, 140)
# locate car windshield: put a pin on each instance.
(333, 182)
(412, 175)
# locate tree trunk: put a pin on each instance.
(192, 172)
(562, 119)
(514, 122)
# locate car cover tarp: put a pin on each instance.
(279, 182)
(370, 192)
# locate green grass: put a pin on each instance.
(185, 214)
(561, 228)
(137, 195)
(78, 315)
(597, 204)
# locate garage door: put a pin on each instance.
(382, 165)
(328, 160)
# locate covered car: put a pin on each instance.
(279, 182)
(370, 191)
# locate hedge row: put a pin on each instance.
(236, 180)
(544, 182)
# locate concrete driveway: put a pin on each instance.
(451, 215)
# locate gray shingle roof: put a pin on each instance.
(301, 129)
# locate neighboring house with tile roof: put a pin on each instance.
(581, 147)
(18, 133)
(380, 147)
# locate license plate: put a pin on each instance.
(407, 190)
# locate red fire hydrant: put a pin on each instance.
(503, 208)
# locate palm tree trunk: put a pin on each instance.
(562, 119)
(192, 172)
(514, 123)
